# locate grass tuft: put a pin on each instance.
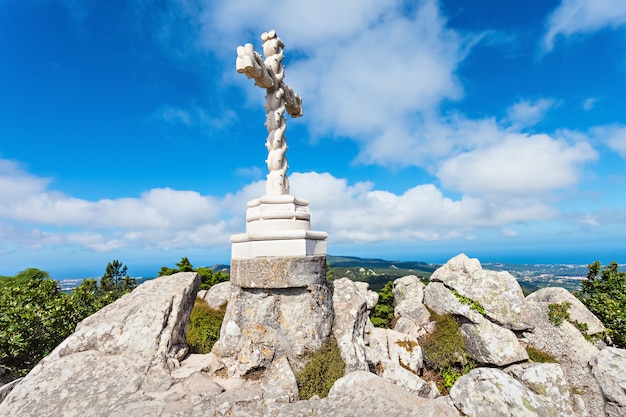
(324, 368)
(204, 327)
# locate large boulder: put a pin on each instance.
(485, 341)
(609, 368)
(548, 382)
(489, 392)
(350, 306)
(218, 295)
(114, 357)
(498, 293)
(577, 311)
(408, 288)
(491, 344)
(362, 393)
(573, 352)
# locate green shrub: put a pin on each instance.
(324, 368)
(558, 312)
(604, 294)
(204, 327)
(382, 315)
(540, 356)
(444, 351)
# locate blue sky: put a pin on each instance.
(430, 128)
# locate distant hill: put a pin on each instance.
(376, 272)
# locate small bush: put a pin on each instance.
(324, 368)
(204, 327)
(540, 356)
(382, 315)
(444, 351)
(558, 312)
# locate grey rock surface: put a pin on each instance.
(498, 293)
(413, 310)
(278, 271)
(409, 287)
(488, 392)
(577, 311)
(350, 306)
(572, 351)
(263, 324)
(362, 393)
(491, 344)
(548, 382)
(138, 337)
(609, 368)
(218, 295)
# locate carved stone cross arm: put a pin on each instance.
(269, 74)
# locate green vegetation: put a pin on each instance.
(474, 305)
(35, 315)
(204, 327)
(208, 277)
(324, 368)
(444, 351)
(558, 312)
(382, 315)
(604, 294)
(376, 272)
(537, 355)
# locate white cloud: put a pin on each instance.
(166, 219)
(614, 136)
(583, 16)
(528, 113)
(520, 165)
(590, 103)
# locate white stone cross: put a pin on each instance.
(269, 74)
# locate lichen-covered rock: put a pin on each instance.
(577, 311)
(548, 382)
(413, 310)
(498, 293)
(489, 392)
(410, 327)
(491, 344)
(218, 295)
(371, 297)
(439, 298)
(406, 379)
(408, 288)
(609, 368)
(114, 356)
(400, 348)
(572, 351)
(263, 324)
(350, 306)
(279, 383)
(362, 393)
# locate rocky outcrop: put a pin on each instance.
(130, 359)
(609, 368)
(577, 311)
(114, 357)
(487, 392)
(486, 342)
(350, 306)
(497, 292)
(217, 296)
(362, 393)
(548, 382)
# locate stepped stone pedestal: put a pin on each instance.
(281, 303)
